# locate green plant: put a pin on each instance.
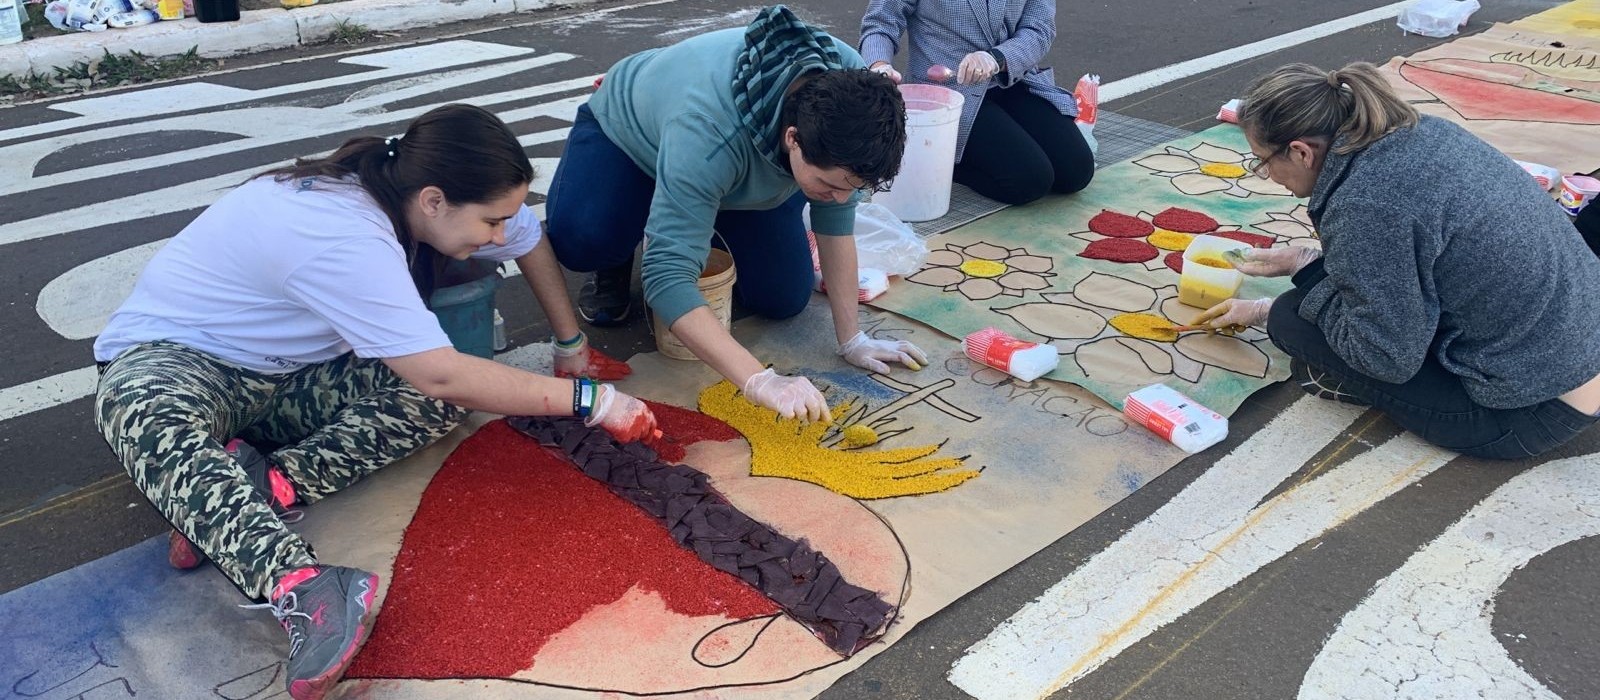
(110, 70)
(348, 32)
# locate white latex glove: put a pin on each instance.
(1235, 315)
(884, 69)
(791, 397)
(1272, 262)
(872, 355)
(977, 67)
(626, 418)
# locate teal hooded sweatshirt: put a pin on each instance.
(701, 117)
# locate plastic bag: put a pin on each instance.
(1436, 18)
(883, 241)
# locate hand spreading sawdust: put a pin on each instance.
(788, 449)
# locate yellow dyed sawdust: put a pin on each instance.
(1213, 261)
(1228, 170)
(859, 435)
(788, 449)
(1146, 326)
(1170, 240)
(983, 268)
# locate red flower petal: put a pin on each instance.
(1123, 250)
(1174, 260)
(1110, 223)
(1185, 221)
(1255, 240)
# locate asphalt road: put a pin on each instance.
(65, 500)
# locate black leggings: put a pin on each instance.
(1588, 224)
(1433, 403)
(1020, 148)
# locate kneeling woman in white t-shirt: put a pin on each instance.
(287, 314)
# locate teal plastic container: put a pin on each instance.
(466, 312)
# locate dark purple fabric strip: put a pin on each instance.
(798, 578)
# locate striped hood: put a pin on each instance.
(778, 48)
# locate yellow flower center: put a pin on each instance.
(1170, 240)
(1228, 170)
(1146, 326)
(983, 268)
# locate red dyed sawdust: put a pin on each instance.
(1123, 250)
(1185, 221)
(1254, 239)
(1174, 260)
(681, 428)
(511, 544)
(1110, 223)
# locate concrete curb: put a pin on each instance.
(256, 30)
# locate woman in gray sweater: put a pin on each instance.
(1450, 292)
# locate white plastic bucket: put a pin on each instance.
(716, 285)
(922, 190)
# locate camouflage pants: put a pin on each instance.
(167, 410)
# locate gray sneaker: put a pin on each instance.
(326, 617)
(607, 296)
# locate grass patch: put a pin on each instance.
(110, 70)
(349, 33)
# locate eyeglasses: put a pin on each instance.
(1259, 165)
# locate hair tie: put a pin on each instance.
(391, 142)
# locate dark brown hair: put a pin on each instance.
(850, 119)
(465, 151)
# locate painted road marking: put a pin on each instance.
(1425, 631)
(44, 393)
(1202, 542)
(260, 126)
(141, 104)
(1178, 71)
(199, 193)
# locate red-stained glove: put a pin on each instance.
(626, 418)
(581, 360)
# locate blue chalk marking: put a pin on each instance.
(855, 385)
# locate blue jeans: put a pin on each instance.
(599, 202)
(1433, 404)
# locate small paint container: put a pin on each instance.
(1178, 419)
(1576, 192)
(1204, 285)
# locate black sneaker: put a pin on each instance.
(1323, 385)
(268, 481)
(326, 617)
(607, 296)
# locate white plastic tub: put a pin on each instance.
(922, 190)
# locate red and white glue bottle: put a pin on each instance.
(1175, 417)
(1018, 358)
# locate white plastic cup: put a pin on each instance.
(1577, 191)
(933, 119)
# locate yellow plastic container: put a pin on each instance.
(716, 285)
(1204, 286)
